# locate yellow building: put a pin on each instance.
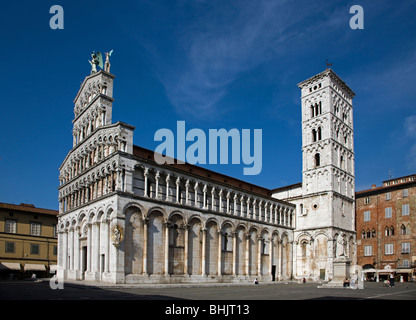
(28, 240)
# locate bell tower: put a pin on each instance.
(325, 205)
(328, 150)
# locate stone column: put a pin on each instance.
(167, 187)
(95, 246)
(71, 247)
(331, 256)
(177, 182)
(310, 253)
(260, 211)
(196, 195)
(187, 192)
(89, 245)
(65, 251)
(213, 199)
(275, 214)
(280, 259)
(204, 248)
(242, 206)
(60, 262)
(118, 184)
(157, 176)
(295, 259)
(270, 255)
(247, 257)
(204, 190)
(167, 248)
(235, 205)
(290, 264)
(219, 251)
(145, 174)
(106, 240)
(186, 248)
(234, 253)
(259, 247)
(145, 236)
(220, 207)
(105, 188)
(76, 250)
(117, 254)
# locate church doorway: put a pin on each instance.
(321, 274)
(83, 261)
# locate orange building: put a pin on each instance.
(28, 240)
(385, 224)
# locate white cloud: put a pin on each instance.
(223, 44)
(199, 48)
(410, 126)
(410, 131)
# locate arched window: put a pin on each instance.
(389, 231)
(317, 160)
(368, 233)
(363, 234)
(403, 229)
(373, 233)
(319, 133)
(313, 135)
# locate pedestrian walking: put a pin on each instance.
(391, 279)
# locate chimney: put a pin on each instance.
(27, 205)
(373, 186)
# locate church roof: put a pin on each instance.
(202, 173)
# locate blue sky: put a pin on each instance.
(214, 64)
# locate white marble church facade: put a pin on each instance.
(125, 219)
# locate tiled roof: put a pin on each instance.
(203, 173)
(27, 208)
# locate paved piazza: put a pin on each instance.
(206, 301)
(29, 290)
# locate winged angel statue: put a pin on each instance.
(97, 60)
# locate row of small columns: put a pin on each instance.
(286, 214)
(80, 133)
(95, 189)
(71, 254)
(88, 159)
